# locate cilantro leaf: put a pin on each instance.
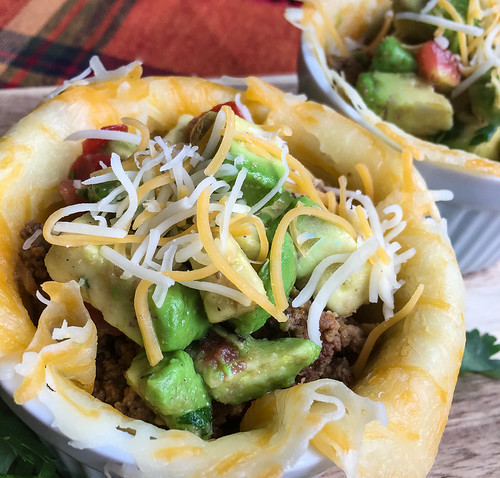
(483, 135)
(22, 453)
(479, 348)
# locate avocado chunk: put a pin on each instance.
(174, 391)
(251, 321)
(236, 370)
(249, 243)
(316, 239)
(484, 97)
(177, 134)
(390, 56)
(96, 192)
(269, 215)
(406, 101)
(121, 148)
(262, 173)
(263, 169)
(100, 283)
(277, 208)
(218, 307)
(410, 30)
(180, 319)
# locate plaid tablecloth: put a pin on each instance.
(43, 42)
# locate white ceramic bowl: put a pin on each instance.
(109, 462)
(473, 215)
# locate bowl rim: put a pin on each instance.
(39, 418)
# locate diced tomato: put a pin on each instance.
(232, 105)
(93, 145)
(68, 192)
(86, 164)
(438, 66)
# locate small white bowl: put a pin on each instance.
(107, 462)
(473, 215)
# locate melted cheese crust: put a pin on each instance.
(411, 374)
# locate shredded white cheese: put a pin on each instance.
(109, 135)
(440, 22)
(29, 242)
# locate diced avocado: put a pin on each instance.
(174, 391)
(352, 294)
(249, 243)
(328, 239)
(410, 30)
(280, 204)
(315, 239)
(218, 307)
(262, 173)
(180, 319)
(484, 96)
(263, 169)
(251, 321)
(406, 101)
(237, 370)
(390, 56)
(96, 192)
(103, 287)
(122, 148)
(417, 32)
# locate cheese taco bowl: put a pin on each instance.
(422, 75)
(223, 283)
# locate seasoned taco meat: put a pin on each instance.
(31, 270)
(342, 339)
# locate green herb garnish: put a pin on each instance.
(22, 454)
(483, 135)
(479, 348)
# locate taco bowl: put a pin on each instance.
(405, 275)
(455, 152)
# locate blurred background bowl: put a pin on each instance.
(473, 215)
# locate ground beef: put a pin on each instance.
(114, 356)
(342, 340)
(226, 418)
(351, 67)
(31, 270)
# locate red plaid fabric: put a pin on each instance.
(43, 42)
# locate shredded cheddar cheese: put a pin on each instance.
(145, 322)
(279, 237)
(142, 128)
(227, 139)
(366, 178)
(332, 30)
(342, 197)
(407, 163)
(222, 264)
(172, 217)
(374, 335)
(261, 232)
